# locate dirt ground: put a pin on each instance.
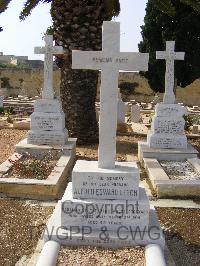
(21, 224)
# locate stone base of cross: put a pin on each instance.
(110, 60)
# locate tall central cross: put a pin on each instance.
(110, 60)
(170, 56)
(49, 51)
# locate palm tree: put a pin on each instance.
(77, 25)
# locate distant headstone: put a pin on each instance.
(135, 113)
(1, 101)
(48, 120)
(168, 124)
(121, 110)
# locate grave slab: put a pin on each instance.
(39, 150)
(144, 151)
(92, 182)
(49, 189)
(109, 213)
(86, 236)
(40, 137)
(48, 121)
(167, 188)
(167, 141)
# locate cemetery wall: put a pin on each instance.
(30, 81)
(24, 81)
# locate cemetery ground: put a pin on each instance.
(23, 221)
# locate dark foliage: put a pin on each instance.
(184, 28)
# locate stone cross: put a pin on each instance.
(110, 60)
(170, 56)
(49, 51)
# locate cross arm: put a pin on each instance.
(86, 59)
(39, 50)
(58, 50)
(130, 61)
(179, 56)
(161, 55)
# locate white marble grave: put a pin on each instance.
(47, 125)
(104, 196)
(168, 124)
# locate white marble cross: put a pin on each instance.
(110, 60)
(170, 56)
(49, 51)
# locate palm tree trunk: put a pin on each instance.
(78, 25)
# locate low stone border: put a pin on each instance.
(51, 188)
(165, 187)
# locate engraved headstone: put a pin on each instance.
(47, 125)
(167, 130)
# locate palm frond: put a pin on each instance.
(112, 7)
(4, 5)
(29, 6)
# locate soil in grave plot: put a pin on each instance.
(182, 234)
(182, 170)
(21, 227)
(29, 167)
(8, 139)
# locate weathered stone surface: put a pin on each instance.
(47, 106)
(109, 213)
(91, 182)
(123, 237)
(167, 130)
(40, 137)
(135, 113)
(170, 56)
(110, 60)
(168, 125)
(49, 50)
(48, 121)
(1, 101)
(167, 141)
(169, 110)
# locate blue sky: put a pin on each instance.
(20, 38)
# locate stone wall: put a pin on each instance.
(24, 81)
(30, 81)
